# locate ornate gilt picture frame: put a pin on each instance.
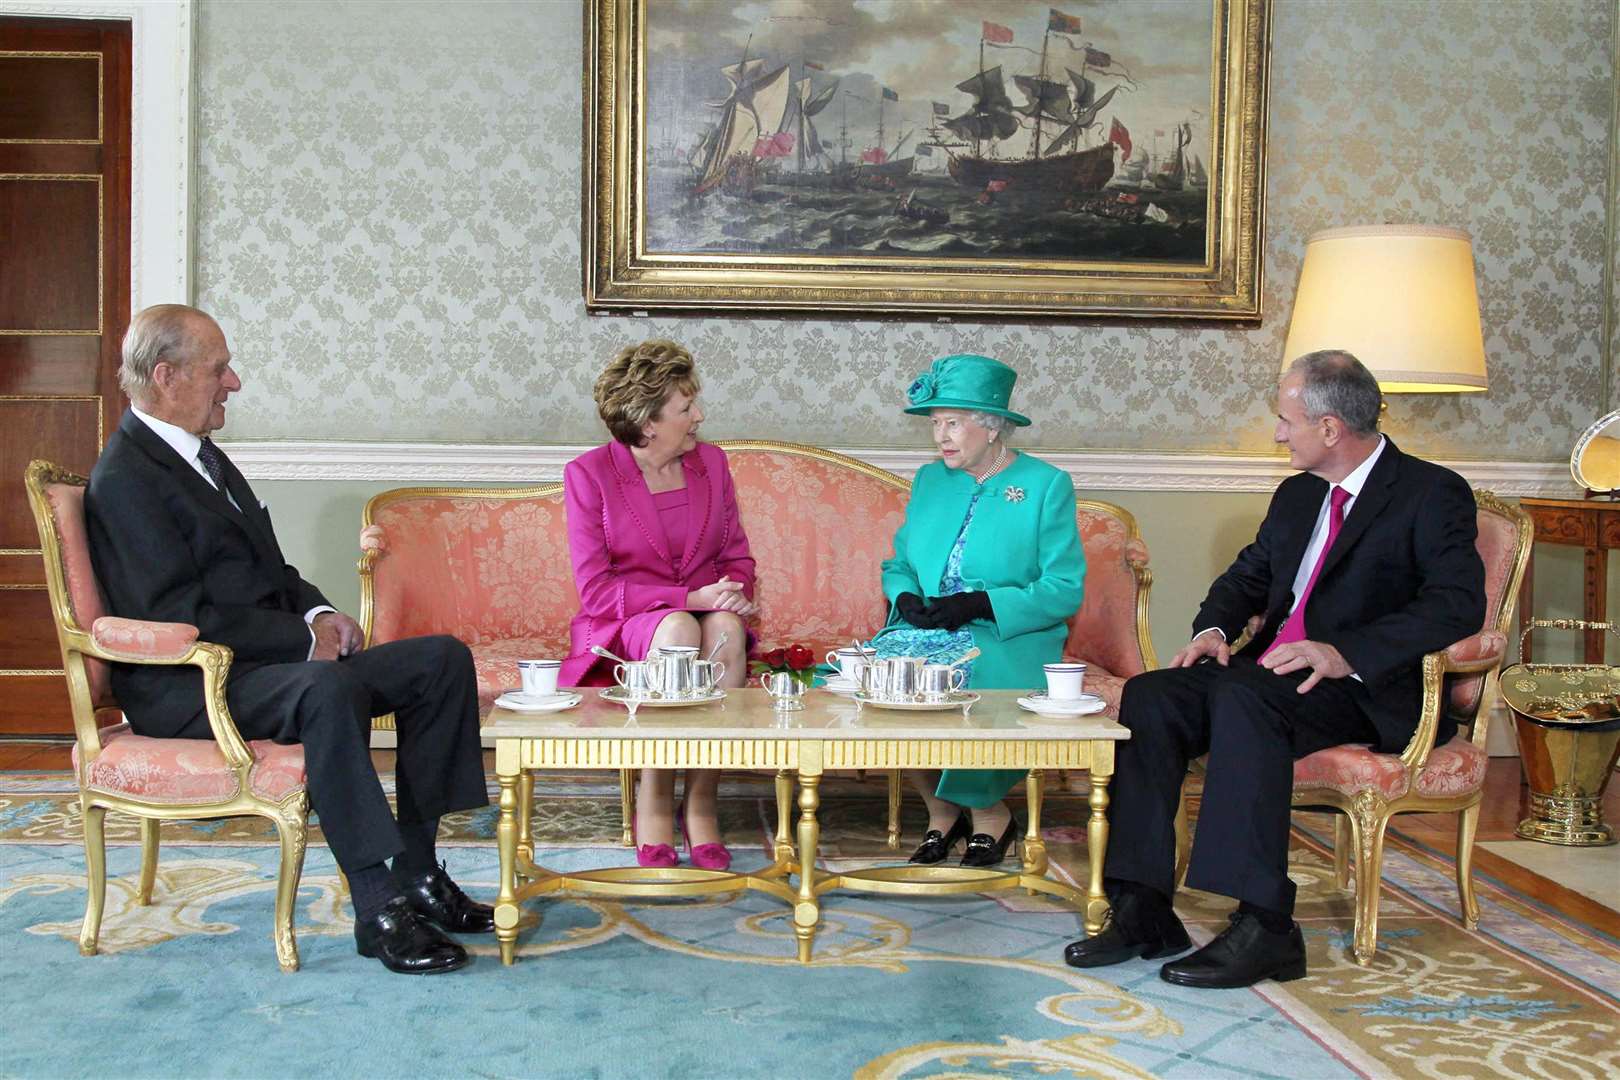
(1006, 158)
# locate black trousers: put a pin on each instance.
(1253, 725)
(427, 683)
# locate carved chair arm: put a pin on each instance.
(1477, 654)
(137, 641)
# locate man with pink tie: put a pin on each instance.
(660, 559)
(1364, 562)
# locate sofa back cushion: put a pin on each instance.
(1103, 633)
(483, 566)
(819, 526)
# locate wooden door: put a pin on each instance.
(64, 306)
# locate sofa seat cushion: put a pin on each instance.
(187, 770)
(1457, 768)
(496, 665)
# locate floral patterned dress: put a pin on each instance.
(936, 646)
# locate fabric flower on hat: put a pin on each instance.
(925, 386)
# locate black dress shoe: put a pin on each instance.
(983, 850)
(441, 900)
(936, 845)
(406, 942)
(1243, 954)
(1135, 930)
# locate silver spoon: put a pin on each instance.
(718, 645)
(604, 654)
(964, 658)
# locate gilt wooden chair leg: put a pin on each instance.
(1343, 841)
(1468, 903)
(149, 859)
(1183, 839)
(292, 829)
(95, 864)
(1372, 819)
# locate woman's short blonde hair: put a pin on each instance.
(638, 380)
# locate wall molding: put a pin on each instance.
(1093, 470)
(160, 136)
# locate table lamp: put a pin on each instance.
(1400, 298)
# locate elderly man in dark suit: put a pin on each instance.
(1364, 562)
(176, 535)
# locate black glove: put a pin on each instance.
(914, 611)
(955, 611)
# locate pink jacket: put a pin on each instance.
(621, 563)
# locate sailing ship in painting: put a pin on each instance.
(1014, 167)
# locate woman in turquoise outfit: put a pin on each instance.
(989, 556)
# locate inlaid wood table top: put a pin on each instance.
(749, 714)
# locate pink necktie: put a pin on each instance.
(1294, 628)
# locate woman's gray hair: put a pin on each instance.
(992, 422)
(1337, 384)
(158, 333)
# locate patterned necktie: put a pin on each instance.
(1294, 628)
(214, 462)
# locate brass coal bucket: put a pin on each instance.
(1567, 717)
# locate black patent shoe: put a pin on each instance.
(982, 850)
(1242, 955)
(406, 942)
(437, 898)
(936, 845)
(1135, 931)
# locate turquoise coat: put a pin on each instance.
(1024, 550)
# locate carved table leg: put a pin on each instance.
(807, 912)
(509, 776)
(1097, 838)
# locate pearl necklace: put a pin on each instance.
(995, 466)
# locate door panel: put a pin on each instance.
(64, 305)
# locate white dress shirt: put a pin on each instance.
(189, 447)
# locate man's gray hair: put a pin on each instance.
(158, 333)
(1337, 384)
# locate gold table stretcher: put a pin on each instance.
(745, 732)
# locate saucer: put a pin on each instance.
(840, 685)
(518, 701)
(1084, 705)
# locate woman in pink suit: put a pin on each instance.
(660, 559)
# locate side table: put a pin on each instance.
(1593, 524)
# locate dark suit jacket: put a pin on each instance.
(167, 546)
(1403, 579)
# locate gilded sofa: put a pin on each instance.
(491, 566)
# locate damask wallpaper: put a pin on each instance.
(388, 227)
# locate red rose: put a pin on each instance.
(776, 658)
(799, 657)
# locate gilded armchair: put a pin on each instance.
(154, 779)
(1365, 789)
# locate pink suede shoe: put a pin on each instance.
(704, 856)
(660, 855)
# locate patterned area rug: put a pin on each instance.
(965, 986)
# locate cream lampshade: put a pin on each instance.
(1400, 298)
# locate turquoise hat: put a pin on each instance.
(965, 381)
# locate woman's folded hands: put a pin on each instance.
(944, 612)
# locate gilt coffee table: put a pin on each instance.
(745, 731)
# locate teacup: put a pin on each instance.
(940, 681)
(706, 676)
(1064, 681)
(539, 677)
(850, 662)
(639, 678)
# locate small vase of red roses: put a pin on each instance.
(786, 673)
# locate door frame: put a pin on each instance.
(160, 188)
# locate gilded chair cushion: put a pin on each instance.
(186, 770)
(67, 513)
(143, 639)
(1457, 768)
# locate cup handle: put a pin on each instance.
(958, 680)
(764, 683)
(618, 674)
(832, 658)
(717, 671)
